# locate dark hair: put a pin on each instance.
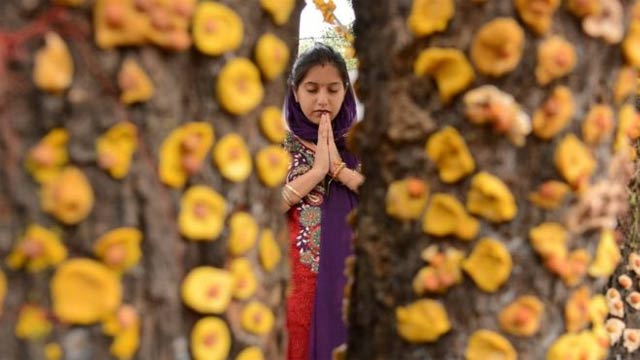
(297, 122)
(318, 54)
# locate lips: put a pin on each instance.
(322, 112)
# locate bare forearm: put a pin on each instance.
(297, 189)
(351, 179)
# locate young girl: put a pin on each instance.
(320, 191)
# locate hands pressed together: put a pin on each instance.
(327, 161)
(327, 158)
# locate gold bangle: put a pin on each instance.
(286, 198)
(337, 172)
(294, 191)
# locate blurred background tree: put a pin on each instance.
(496, 145)
(139, 141)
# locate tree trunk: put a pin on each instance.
(184, 92)
(402, 111)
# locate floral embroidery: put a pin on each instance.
(301, 169)
(309, 210)
(310, 216)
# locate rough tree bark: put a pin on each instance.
(402, 110)
(184, 85)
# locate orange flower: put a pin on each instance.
(245, 283)
(231, 155)
(556, 58)
(522, 317)
(582, 345)
(257, 318)
(37, 249)
(243, 232)
(128, 22)
(449, 151)
(489, 105)
(449, 67)
(537, 14)
(497, 47)
(272, 124)
(423, 321)
(119, 248)
(33, 323)
(272, 163)
(68, 197)
(576, 310)
(489, 265)
(84, 291)
(210, 339)
(115, 148)
(625, 85)
(406, 198)
(251, 353)
(269, 250)
(238, 87)
(429, 16)
(117, 23)
(574, 161)
(202, 213)
(598, 124)
(443, 272)
(207, 289)
(134, 83)
(49, 156)
(628, 129)
(53, 71)
(124, 326)
(555, 114)
(487, 344)
(183, 151)
(216, 28)
(447, 216)
(280, 10)
(549, 194)
(272, 55)
(490, 198)
(607, 255)
(53, 351)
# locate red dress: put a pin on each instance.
(304, 252)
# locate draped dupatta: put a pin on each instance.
(327, 329)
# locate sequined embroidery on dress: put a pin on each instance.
(309, 209)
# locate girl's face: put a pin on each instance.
(320, 91)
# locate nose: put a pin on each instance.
(323, 98)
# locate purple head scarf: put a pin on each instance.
(306, 130)
(327, 328)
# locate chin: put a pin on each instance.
(314, 119)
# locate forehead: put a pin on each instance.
(323, 74)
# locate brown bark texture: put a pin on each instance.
(402, 111)
(184, 92)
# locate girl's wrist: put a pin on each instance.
(317, 174)
(335, 165)
(338, 170)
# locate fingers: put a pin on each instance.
(329, 128)
(325, 118)
(324, 129)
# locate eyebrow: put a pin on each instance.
(315, 83)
